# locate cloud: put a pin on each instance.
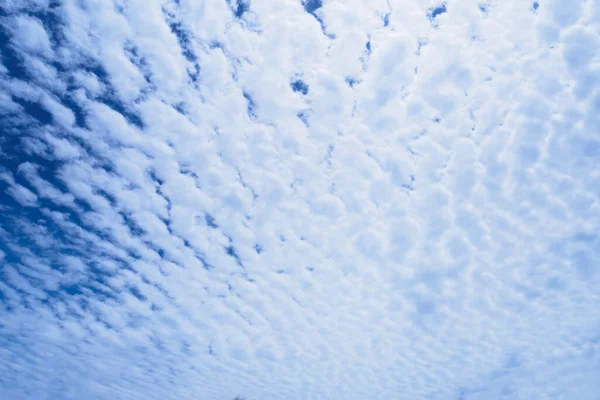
(29, 35)
(319, 199)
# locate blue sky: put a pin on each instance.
(386, 199)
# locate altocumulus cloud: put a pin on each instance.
(386, 199)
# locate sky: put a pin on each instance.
(300, 199)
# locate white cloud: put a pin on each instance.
(29, 35)
(365, 201)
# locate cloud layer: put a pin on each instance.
(299, 200)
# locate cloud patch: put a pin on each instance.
(311, 199)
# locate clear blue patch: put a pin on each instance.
(180, 108)
(351, 81)
(230, 250)
(137, 59)
(183, 38)
(303, 117)
(299, 86)
(311, 6)
(242, 7)
(210, 221)
(34, 110)
(251, 105)
(215, 44)
(436, 11)
(135, 291)
(386, 19)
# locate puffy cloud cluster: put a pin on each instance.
(299, 199)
